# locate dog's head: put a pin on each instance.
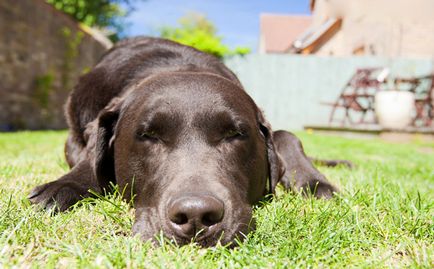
(196, 151)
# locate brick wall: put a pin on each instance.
(42, 53)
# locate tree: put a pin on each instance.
(104, 14)
(197, 31)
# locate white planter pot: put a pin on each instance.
(394, 109)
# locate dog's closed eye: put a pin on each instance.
(234, 134)
(149, 135)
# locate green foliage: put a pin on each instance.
(73, 41)
(383, 217)
(197, 31)
(96, 13)
(43, 87)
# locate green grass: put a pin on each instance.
(383, 218)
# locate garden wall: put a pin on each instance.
(42, 53)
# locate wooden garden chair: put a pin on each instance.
(423, 89)
(357, 97)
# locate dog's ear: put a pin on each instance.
(104, 168)
(275, 166)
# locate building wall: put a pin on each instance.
(291, 88)
(391, 28)
(42, 53)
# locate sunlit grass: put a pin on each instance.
(384, 216)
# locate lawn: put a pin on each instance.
(384, 216)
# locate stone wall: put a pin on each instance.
(42, 53)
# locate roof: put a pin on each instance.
(314, 37)
(278, 32)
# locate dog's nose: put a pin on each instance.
(191, 215)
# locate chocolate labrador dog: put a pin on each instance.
(174, 128)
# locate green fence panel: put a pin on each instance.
(290, 88)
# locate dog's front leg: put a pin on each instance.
(67, 190)
(300, 174)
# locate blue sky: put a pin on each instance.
(236, 20)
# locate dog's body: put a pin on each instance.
(176, 125)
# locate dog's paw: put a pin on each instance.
(315, 184)
(309, 183)
(319, 189)
(57, 196)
